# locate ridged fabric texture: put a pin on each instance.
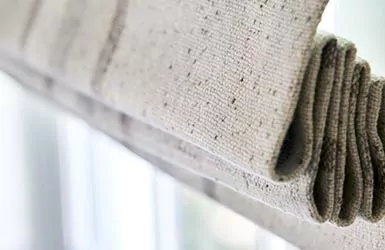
(242, 92)
(336, 135)
(186, 162)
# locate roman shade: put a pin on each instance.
(245, 94)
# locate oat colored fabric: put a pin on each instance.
(232, 187)
(195, 69)
(344, 73)
(374, 208)
(307, 236)
(242, 92)
(187, 164)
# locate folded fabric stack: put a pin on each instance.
(337, 135)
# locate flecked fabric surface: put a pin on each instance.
(247, 194)
(198, 68)
(185, 162)
(244, 89)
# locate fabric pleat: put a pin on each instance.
(374, 205)
(345, 63)
(339, 121)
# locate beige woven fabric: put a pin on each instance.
(187, 162)
(344, 74)
(187, 165)
(242, 92)
(198, 68)
(374, 208)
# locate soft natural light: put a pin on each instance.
(124, 196)
(328, 20)
(360, 22)
(15, 228)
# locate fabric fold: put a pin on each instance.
(344, 74)
(302, 143)
(310, 120)
(352, 179)
(334, 135)
(374, 207)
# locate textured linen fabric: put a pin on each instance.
(242, 92)
(375, 206)
(344, 74)
(188, 160)
(198, 68)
